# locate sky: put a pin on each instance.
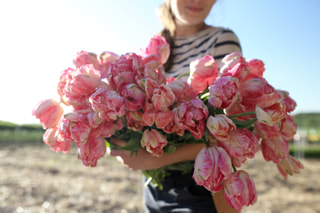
(39, 39)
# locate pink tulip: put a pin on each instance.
(220, 126)
(84, 58)
(191, 116)
(182, 90)
(224, 92)
(241, 145)
(256, 68)
(203, 72)
(267, 131)
(158, 46)
(287, 100)
(64, 133)
(153, 141)
(155, 74)
(163, 98)
(107, 129)
(268, 99)
(171, 79)
(50, 138)
(105, 70)
(65, 79)
(80, 132)
(78, 127)
(49, 112)
(108, 103)
(271, 114)
(234, 65)
(162, 119)
(212, 166)
(84, 81)
(240, 190)
(124, 71)
(172, 127)
(238, 108)
(270, 109)
(230, 61)
(288, 127)
(94, 119)
(78, 102)
(92, 151)
(151, 61)
(149, 117)
(149, 86)
(77, 99)
(289, 166)
(275, 149)
(108, 56)
(134, 120)
(252, 90)
(134, 97)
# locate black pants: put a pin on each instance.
(180, 194)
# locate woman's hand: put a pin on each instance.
(145, 161)
(221, 204)
(136, 161)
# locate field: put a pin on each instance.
(35, 179)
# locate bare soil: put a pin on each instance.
(35, 179)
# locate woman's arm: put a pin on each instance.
(221, 204)
(145, 161)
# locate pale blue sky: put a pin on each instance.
(40, 37)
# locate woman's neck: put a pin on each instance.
(186, 30)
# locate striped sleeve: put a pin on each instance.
(227, 43)
(214, 41)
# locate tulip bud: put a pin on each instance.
(49, 113)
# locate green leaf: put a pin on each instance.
(133, 144)
(182, 75)
(244, 124)
(242, 114)
(156, 176)
(111, 145)
(132, 139)
(214, 111)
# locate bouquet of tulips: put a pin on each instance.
(234, 111)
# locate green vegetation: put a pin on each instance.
(309, 123)
(308, 120)
(11, 132)
(308, 151)
(20, 136)
(5, 125)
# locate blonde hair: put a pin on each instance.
(166, 17)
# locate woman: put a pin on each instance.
(189, 38)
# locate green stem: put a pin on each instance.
(184, 74)
(204, 95)
(234, 168)
(242, 114)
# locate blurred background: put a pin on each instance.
(40, 38)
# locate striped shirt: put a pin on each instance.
(214, 41)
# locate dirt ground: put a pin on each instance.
(35, 179)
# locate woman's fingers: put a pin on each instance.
(121, 155)
(116, 152)
(117, 142)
